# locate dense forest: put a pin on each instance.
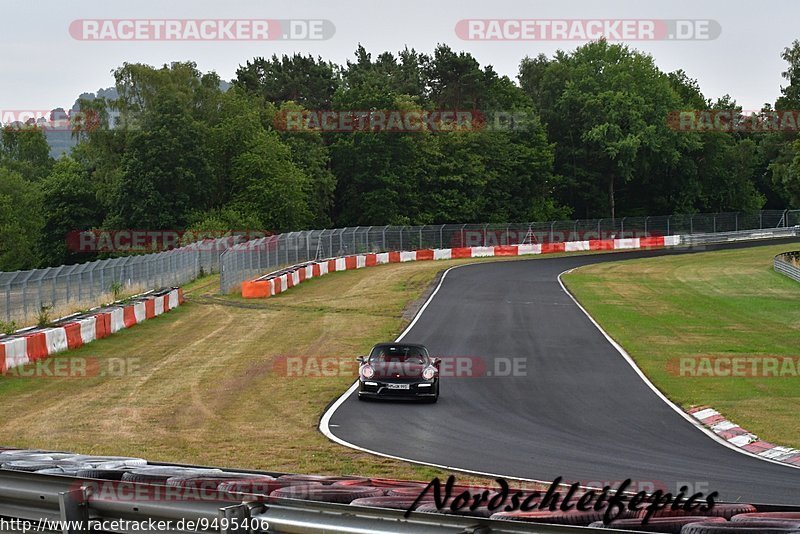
(180, 149)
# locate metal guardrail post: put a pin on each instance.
(73, 511)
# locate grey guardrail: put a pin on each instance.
(788, 264)
(742, 235)
(36, 497)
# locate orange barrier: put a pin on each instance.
(255, 289)
(651, 242)
(74, 339)
(425, 254)
(128, 316)
(549, 248)
(601, 244)
(36, 346)
(506, 251)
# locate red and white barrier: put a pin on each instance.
(26, 347)
(268, 287)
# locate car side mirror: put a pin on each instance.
(361, 359)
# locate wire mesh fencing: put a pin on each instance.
(253, 258)
(61, 290)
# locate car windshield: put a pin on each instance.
(398, 354)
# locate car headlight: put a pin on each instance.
(429, 373)
(367, 371)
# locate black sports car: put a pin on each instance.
(398, 371)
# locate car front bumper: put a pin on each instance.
(383, 389)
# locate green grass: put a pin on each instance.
(722, 303)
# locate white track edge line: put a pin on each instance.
(324, 423)
(697, 424)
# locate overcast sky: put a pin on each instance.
(45, 67)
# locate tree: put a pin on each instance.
(165, 171)
(269, 186)
(24, 149)
(69, 204)
(309, 82)
(20, 221)
(606, 109)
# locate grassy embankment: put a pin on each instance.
(723, 303)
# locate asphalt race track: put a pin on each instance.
(581, 412)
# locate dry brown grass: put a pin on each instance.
(207, 390)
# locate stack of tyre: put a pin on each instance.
(211, 483)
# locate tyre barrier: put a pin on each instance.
(670, 525)
(275, 283)
(191, 482)
(723, 510)
(38, 465)
(736, 435)
(263, 488)
(393, 503)
(161, 474)
(767, 516)
(387, 483)
(744, 527)
(327, 480)
(478, 511)
(572, 517)
(30, 345)
(332, 494)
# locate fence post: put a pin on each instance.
(8, 301)
(441, 236)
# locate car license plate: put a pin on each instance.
(398, 386)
